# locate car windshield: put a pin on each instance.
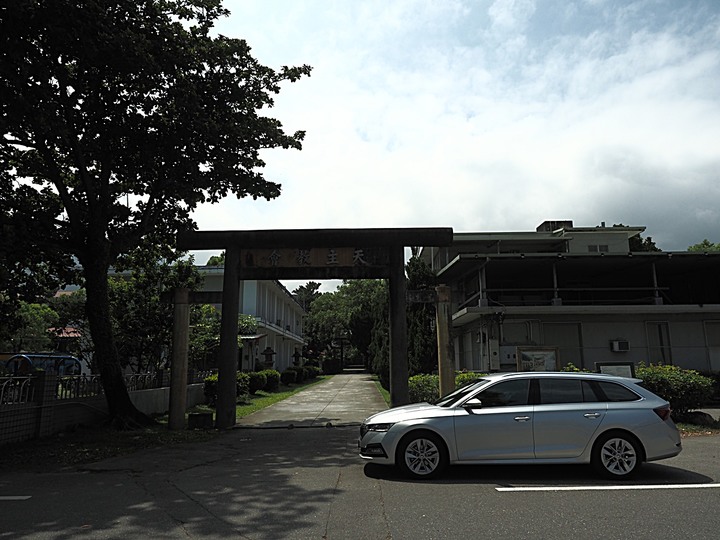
(459, 393)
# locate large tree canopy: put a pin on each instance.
(117, 119)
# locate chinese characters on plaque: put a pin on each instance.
(314, 257)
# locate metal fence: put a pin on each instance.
(21, 389)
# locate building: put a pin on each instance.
(564, 294)
(279, 318)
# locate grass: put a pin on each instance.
(385, 394)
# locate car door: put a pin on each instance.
(499, 427)
(565, 418)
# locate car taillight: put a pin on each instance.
(663, 412)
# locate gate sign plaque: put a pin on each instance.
(314, 257)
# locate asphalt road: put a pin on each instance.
(309, 483)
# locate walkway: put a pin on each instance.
(344, 399)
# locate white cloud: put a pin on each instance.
(484, 115)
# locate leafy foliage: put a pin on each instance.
(118, 119)
(257, 381)
(706, 246)
(33, 334)
(272, 380)
(684, 389)
(426, 387)
(288, 377)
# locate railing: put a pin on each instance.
(77, 386)
(20, 389)
(17, 389)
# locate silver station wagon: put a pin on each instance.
(610, 422)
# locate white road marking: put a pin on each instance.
(609, 488)
(15, 498)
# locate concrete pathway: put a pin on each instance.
(345, 399)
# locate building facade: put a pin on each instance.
(564, 294)
(279, 317)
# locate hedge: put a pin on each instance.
(257, 380)
(242, 388)
(425, 387)
(272, 380)
(684, 389)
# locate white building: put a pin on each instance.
(279, 318)
(565, 294)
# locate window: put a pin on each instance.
(565, 391)
(617, 392)
(505, 394)
(598, 248)
(658, 336)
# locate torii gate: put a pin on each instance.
(311, 254)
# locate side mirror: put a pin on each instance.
(472, 404)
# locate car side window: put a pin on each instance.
(567, 391)
(560, 391)
(617, 392)
(505, 394)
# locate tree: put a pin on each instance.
(638, 243)
(34, 334)
(118, 119)
(705, 246)
(422, 340)
(307, 294)
(216, 260)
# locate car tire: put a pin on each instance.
(617, 455)
(422, 455)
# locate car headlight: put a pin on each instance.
(364, 428)
(379, 427)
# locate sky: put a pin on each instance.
(489, 115)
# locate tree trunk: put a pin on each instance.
(123, 414)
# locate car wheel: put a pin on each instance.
(617, 455)
(422, 455)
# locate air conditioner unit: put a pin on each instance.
(619, 345)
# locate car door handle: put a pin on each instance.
(592, 415)
(522, 418)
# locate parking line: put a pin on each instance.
(608, 488)
(15, 498)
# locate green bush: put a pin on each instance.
(272, 380)
(302, 373)
(424, 388)
(685, 389)
(257, 381)
(427, 387)
(288, 377)
(313, 371)
(210, 389)
(242, 386)
(466, 377)
(210, 385)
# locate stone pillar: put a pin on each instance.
(399, 373)
(179, 366)
(446, 362)
(228, 353)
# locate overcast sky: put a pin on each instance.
(486, 115)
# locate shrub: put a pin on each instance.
(466, 377)
(685, 389)
(210, 386)
(427, 387)
(302, 373)
(288, 377)
(257, 381)
(424, 388)
(210, 389)
(242, 386)
(573, 368)
(313, 371)
(272, 380)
